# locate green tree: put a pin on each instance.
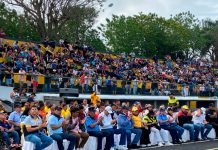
(16, 26)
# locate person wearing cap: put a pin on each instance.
(164, 124)
(211, 117)
(8, 131)
(185, 121)
(74, 129)
(151, 122)
(33, 126)
(199, 120)
(108, 126)
(173, 102)
(139, 124)
(56, 123)
(172, 119)
(14, 118)
(92, 126)
(125, 122)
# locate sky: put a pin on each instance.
(200, 8)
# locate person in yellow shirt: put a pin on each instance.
(173, 102)
(47, 107)
(95, 99)
(138, 124)
(65, 111)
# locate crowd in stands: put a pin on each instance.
(42, 123)
(72, 65)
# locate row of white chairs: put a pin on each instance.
(92, 141)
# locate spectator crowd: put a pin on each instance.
(42, 123)
(73, 65)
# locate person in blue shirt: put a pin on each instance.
(125, 122)
(55, 128)
(8, 131)
(32, 129)
(15, 120)
(92, 127)
(162, 119)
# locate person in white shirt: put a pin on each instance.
(200, 121)
(108, 126)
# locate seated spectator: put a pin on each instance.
(185, 121)
(55, 128)
(8, 131)
(138, 124)
(160, 135)
(172, 118)
(199, 120)
(108, 126)
(211, 117)
(32, 130)
(93, 129)
(73, 128)
(14, 118)
(125, 122)
(164, 124)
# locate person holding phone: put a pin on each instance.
(32, 128)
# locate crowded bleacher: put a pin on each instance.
(47, 67)
(108, 125)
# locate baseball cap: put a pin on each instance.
(185, 107)
(109, 109)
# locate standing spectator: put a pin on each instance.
(14, 118)
(28, 80)
(35, 77)
(55, 128)
(199, 120)
(125, 122)
(114, 85)
(109, 84)
(211, 117)
(135, 86)
(33, 126)
(21, 78)
(47, 81)
(93, 129)
(8, 76)
(128, 86)
(73, 128)
(173, 102)
(185, 121)
(99, 83)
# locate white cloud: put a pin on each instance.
(200, 8)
